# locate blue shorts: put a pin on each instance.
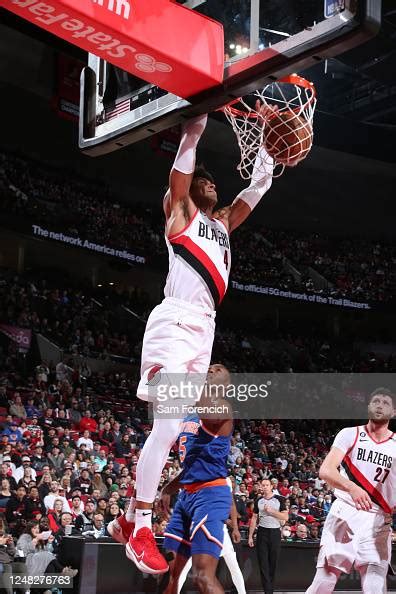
(197, 523)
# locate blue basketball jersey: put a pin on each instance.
(203, 455)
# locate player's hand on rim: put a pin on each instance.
(360, 498)
(265, 110)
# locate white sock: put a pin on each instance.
(183, 575)
(142, 519)
(130, 514)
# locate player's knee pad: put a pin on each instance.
(373, 578)
(325, 581)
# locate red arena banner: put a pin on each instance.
(22, 336)
(161, 42)
(66, 100)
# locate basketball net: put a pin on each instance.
(292, 94)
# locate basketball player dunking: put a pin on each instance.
(358, 529)
(180, 331)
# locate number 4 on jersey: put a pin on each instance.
(226, 259)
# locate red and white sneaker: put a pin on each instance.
(143, 551)
(120, 529)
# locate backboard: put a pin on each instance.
(263, 41)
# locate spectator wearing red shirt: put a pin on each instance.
(87, 422)
(248, 477)
(54, 516)
(284, 488)
(33, 433)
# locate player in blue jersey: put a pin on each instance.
(196, 528)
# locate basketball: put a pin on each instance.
(288, 138)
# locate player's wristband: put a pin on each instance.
(192, 132)
(261, 180)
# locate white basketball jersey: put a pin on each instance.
(370, 464)
(199, 262)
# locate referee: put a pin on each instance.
(271, 511)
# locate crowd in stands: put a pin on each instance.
(285, 353)
(50, 198)
(84, 323)
(358, 268)
(355, 268)
(255, 261)
(69, 457)
(69, 451)
(79, 320)
(71, 438)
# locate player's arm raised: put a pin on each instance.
(329, 473)
(178, 206)
(261, 181)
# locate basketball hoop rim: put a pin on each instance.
(293, 79)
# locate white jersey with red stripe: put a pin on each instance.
(199, 262)
(370, 464)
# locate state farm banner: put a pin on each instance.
(162, 42)
(22, 336)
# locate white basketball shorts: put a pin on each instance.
(354, 537)
(178, 340)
